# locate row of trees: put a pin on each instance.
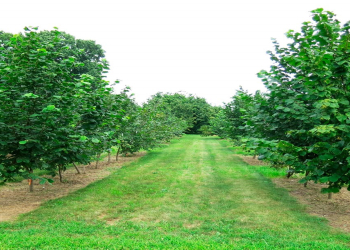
(195, 111)
(303, 121)
(56, 109)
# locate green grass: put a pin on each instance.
(192, 194)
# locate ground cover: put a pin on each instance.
(15, 199)
(335, 210)
(192, 194)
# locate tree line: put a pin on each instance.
(57, 110)
(302, 121)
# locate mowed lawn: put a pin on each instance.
(191, 194)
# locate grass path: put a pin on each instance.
(192, 194)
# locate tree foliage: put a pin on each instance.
(230, 121)
(304, 121)
(56, 108)
(194, 110)
(147, 126)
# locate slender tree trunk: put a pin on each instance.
(330, 196)
(254, 156)
(109, 157)
(31, 185)
(289, 173)
(78, 171)
(116, 156)
(97, 160)
(60, 173)
(31, 182)
(306, 174)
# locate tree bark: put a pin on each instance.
(31, 185)
(289, 173)
(116, 156)
(330, 196)
(97, 160)
(109, 158)
(306, 174)
(60, 173)
(31, 182)
(78, 171)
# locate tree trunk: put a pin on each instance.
(78, 171)
(31, 183)
(116, 156)
(290, 172)
(97, 160)
(109, 157)
(60, 173)
(254, 156)
(306, 174)
(330, 196)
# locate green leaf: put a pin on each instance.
(323, 179)
(30, 95)
(316, 18)
(22, 159)
(319, 172)
(304, 180)
(42, 181)
(23, 142)
(83, 138)
(50, 107)
(334, 178)
(94, 140)
(326, 157)
(341, 118)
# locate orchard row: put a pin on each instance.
(303, 121)
(56, 109)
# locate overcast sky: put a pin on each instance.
(204, 47)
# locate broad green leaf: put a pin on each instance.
(324, 179)
(334, 178)
(30, 95)
(83, 138)
(303, 180)
(50, 107)
(94, 140)
(326, 157)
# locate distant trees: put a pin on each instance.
(194, 110)
(231, 120)
(145, 127)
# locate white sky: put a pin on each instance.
(204, 47)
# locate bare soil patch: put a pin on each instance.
(252, 161)
(16, 199)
